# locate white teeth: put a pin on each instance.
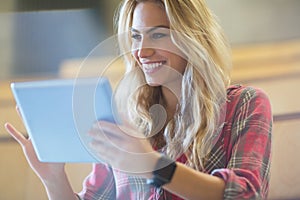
(152, 65)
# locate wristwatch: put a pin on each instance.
(163, 173)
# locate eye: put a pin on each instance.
(136, 36)
(158, 35)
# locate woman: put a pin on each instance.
(185, 134)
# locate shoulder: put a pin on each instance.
(240, 94)
(246, 101)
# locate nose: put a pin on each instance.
(145, 50)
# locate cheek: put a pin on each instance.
(134, 54)
(179, 63)
(183, 64)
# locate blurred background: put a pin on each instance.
(50, 38)
(38, 35)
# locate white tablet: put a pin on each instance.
(58, 114)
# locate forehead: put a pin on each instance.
(149, 14)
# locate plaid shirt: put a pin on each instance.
(241, 156)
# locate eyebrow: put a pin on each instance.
(151, 29)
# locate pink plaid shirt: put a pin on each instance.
(241, 156)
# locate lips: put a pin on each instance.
(152, 67)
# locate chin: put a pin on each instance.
(153, 84)
(155, 81)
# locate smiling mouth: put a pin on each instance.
(152, 67)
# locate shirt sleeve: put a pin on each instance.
(99, 184)
(248, 170)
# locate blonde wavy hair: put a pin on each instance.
(197, 120)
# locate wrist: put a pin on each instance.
(55, 179)
(163, 172)
(59, 187)
(151, 165)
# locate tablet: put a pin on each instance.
(58, 114)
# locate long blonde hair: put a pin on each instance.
(198, 117)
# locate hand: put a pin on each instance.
(47, 172)
(123, 148)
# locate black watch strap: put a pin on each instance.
(163, 173)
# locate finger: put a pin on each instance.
(104, 153)
(105, 130)
(98, 135)
(18, 111)
(19, 137)
(107, 142)
(99, 141)
(116, 130)
(100, 151)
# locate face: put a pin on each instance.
(161, 61)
